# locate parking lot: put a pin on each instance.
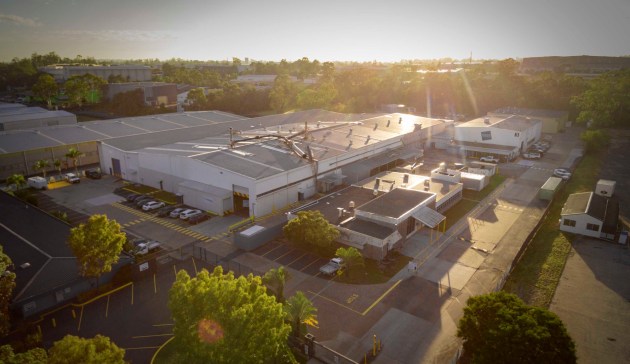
(291, 257)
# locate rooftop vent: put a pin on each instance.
(400, 120)
(486, 120)
(351, 205)
(388, 122)
(375, 126)
(25, 265)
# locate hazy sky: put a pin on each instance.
(328, 30)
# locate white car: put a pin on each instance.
(531, 155)
(489, 159)
(147, 247)
(189, 213)
(175, 213)
(72, 178)
(562, 173)
(152, 205)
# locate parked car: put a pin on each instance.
(38, 183)
(153, 205)
(93, 174)
(531, 155)
(196, 219)
(563, 173)
(537, 150)
(131, 197)
(165, 211)
(189, 213)
(175, 213)
(72, 178)
(141, 201)
(332, 267)
(489, 159)
(147, 247)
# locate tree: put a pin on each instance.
(97, 245)
(57, 164)
(77, 89)
(606, 102)
(32, 356)
(300, 312)
(197, 97)
(310, 227)
(275, 279)
(17, 180)
(7, 284)
(594, 139)
(500, 328)
(42, 165)
(282, 94)
(351, 257)
(222, 319)
(75, 154)
(74, 349)
(129, 103)
(46, 88)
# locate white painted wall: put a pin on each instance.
(499, 136)
(580, 225)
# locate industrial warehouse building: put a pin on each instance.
(257, 166)
(553, 121)
(20, 117)
(20, 149)
(502, 137)
(133, 73)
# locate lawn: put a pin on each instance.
(536, 275)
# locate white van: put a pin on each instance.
(38, 183)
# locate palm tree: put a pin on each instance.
(74, 154)
(16, 179)
(300, 312)
(274, 279)
(42, 165)
(57, 164)
(351, 257)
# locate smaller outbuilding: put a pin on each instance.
(549, 189)
(589, 214)
(605, 187)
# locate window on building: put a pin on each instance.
(568, 222)
(592, 227)
(486, 135)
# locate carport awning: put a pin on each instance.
(429, 217)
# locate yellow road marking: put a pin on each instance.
(380, 298)
(335, 302)
(74, 314)
(107, 306)
(54, 322)
(175, 270)
(158, 325)
(194, 265)
(132, 294)
(154, 284)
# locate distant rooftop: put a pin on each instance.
(513, 122)
(531, 112)
(395, 203)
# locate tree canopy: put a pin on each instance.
(310, 227)
(274, 280)
(606, 102)
(46, 88)
(222, 319)
(352, 258)
(300, 312)
(7, 284)
(32, 356)
(500, 328)
(74, 154)
(74, 349)
(97, 244)
(17, 180)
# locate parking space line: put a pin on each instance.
(175, 271)
(279, 246)
(80, 319)
(132, 294)
(154, 284)
(158, 325)
(311, 263)
(300, 257)
(194, 265)
(335, 302)
(107, 306)
(143, 348)
(156, 335)
(380, 298)
(290, 251)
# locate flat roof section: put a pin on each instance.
(395, 203)
(369, 228)
(328, 205)
(512, 122)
